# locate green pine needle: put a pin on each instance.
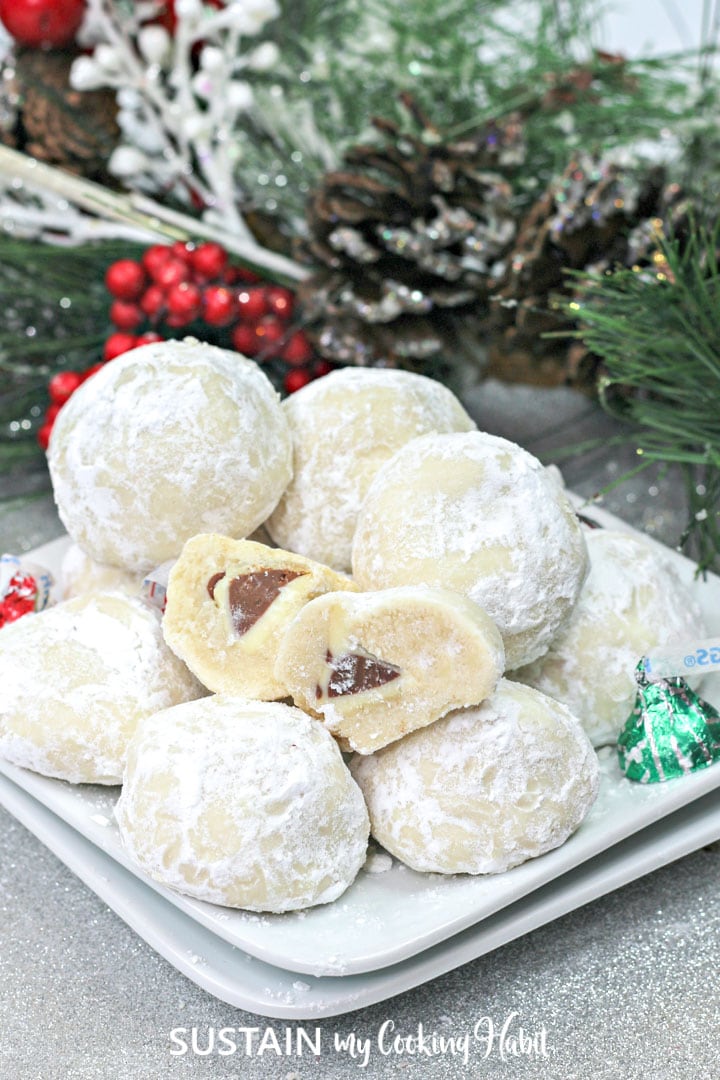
(345, 61)
(658, 335)
(55, 318)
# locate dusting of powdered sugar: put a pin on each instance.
(633, 600)
(169, 440)
(476, 513)
(243, 803)
(344, 427)
(80, 574)
(378, 862)
(483, 789)
(76, 680)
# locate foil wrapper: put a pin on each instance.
(25, 587)
(154, 586)
(670, 732)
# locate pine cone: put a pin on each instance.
(593, 218)
(57, 124)
(410, 236)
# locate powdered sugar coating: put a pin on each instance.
(476, 513)
(80, 574)
(632, 601)
(243, 803)
(77, 678)
(483, 789)
(344, 427)
(168, 440)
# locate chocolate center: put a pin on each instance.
(213, 582)
(250, 595)
(351, 673)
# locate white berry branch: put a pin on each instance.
(43, 202)
(181, 98)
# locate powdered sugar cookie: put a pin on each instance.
(242, 803)
(80, 574)
(484, 789)
(344, 427)
(378, 665)
(77, 678)
(228, 604)
(168, 440)
(477, 514)
(632, 601)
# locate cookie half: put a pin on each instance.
(375, 666)
(228, 604)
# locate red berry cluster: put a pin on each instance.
(173, 287)
(184, 286)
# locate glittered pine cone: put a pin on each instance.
(594, 217)
(55, 123)
(410, 237)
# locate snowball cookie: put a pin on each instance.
(77, 678)
(632, 601)
(477, 514)
(80, 574)
(169, 440)
(482, 789)
(242, 803)
(344, 427)
(377, 665)
(228, 604)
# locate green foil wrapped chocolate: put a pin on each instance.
(670, 732)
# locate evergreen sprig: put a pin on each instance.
(657, 333)
(54, 307)
(345, 61)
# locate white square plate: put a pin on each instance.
(386, 918)
(241, 980)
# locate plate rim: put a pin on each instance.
(671, 797)
(674, 837)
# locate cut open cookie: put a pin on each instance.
(228, 603)
(375, 666)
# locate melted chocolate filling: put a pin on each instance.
(250, 595)
(351, 673)
(213, 582)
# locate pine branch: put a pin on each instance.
(343, 62)
(54, 318)
(658, 336)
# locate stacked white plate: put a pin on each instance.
(394, 928)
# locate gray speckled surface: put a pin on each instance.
(625, 987)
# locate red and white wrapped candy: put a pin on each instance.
(24, 588)
(154, 586)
